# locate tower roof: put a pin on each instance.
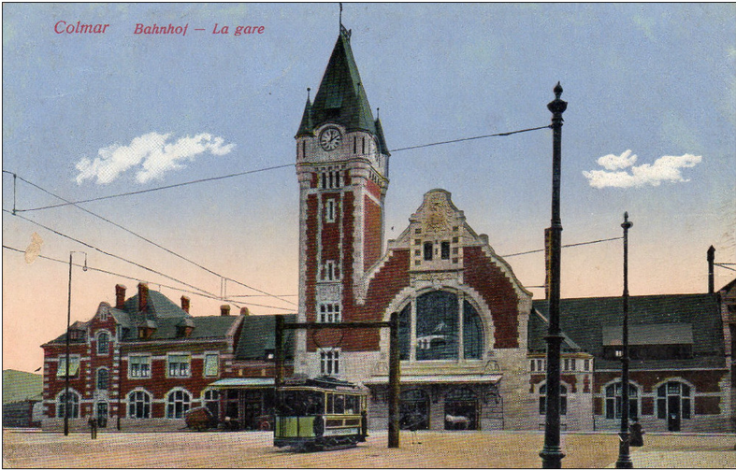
(341, 97)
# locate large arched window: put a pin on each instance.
(177, 404)
(442, 323)
(613, 401)
(62, 405)
(139, 404)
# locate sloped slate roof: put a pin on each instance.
(158, 305)
(341, 97)
(584, 321)
(258, 336)
(20, 386)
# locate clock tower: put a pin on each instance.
(342, 169)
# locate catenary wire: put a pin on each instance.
(242, 173)
(563, 246)
(150, 241)
(110, 254)
(178, 289)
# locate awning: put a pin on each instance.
(243, 383)
(429, 379)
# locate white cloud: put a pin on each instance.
(664, 169)
(151, 154)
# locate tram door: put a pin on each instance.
(414, 410)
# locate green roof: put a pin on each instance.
(257, 337)
(21, 386)
(693, 318)
(341, 97)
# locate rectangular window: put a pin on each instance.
(586, 365)
(329, 363)
(532, 364)
(330, 271)
(329, 312)
(445, 250)
(73, 366)
(330, 210)
(139, 367)
(428, 251)
(211, 365)
(178, 365)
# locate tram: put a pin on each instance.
(320, 413)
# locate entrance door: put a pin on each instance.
(673, 413)
(461, 410)
(102, 414)
(414, 410)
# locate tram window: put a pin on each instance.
(303, 403)
(340, 404)
(329, 403)
(351, 404)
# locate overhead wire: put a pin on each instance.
(148, 240)
(564, 246)
(178, 289)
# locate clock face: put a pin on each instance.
(330, 138)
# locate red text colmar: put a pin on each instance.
(62, 27)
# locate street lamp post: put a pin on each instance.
(551, 453)
(68, 325)
(624, 459)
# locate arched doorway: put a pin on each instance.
(461, 410)
(674, 404)
(414, 410)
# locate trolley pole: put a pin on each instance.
(624, 459)
(551, 453)
(394, 373)
(394, 378)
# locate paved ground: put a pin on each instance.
(437, 450)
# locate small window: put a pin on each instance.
(102, 379)
(139, 367)
(178, 365)
(428, 251)
(211, 365)
(532, 363)
(103, 343)
(445, 250)
(330, 215)
(73, 366)
(329, 312)
(329, 361)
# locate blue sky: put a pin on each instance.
(91, 115)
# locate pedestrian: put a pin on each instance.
(93, 426)
(637, 435)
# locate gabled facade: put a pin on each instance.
(144, 360)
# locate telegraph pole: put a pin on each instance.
(624, 459)
(551, 453)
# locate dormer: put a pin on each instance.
(147, 329)
(185, 327)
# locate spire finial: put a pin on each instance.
(308, 90)
(378, 113)
(340, 16)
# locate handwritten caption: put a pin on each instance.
(64, 27)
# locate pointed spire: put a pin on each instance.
(341, 98)
(382, 147)
(306, 127)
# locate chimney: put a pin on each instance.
(119, 296)
(185, 303)
(244, 311)
(711, 259)
(142, 296)
(224, 310)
